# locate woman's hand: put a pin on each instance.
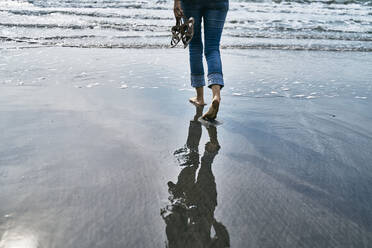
(178, 13)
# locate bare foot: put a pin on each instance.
(212, 111)
(196, 101)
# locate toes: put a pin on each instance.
(210, 115)
(212, 112)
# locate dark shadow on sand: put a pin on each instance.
(189, 217)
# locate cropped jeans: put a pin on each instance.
(213, 13)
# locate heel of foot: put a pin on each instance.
(196, 102)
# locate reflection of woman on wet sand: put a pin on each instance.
(190, 215)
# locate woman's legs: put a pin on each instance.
(214, 20)
(214, 15)
(196, 53)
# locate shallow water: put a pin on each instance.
(309, 25)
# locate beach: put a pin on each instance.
(100, 148)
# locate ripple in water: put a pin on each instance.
(299, 25)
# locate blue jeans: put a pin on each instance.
(214, 16)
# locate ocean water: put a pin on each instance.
(290, 25)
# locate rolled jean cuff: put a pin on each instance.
(197, 81)
(215, 78)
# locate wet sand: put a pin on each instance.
(100, 148)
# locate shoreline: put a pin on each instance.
(223, 47)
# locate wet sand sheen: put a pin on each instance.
(101, 151)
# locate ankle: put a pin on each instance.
(218, 98)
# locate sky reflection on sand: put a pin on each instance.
(19, 238)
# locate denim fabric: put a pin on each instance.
(213, 14)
